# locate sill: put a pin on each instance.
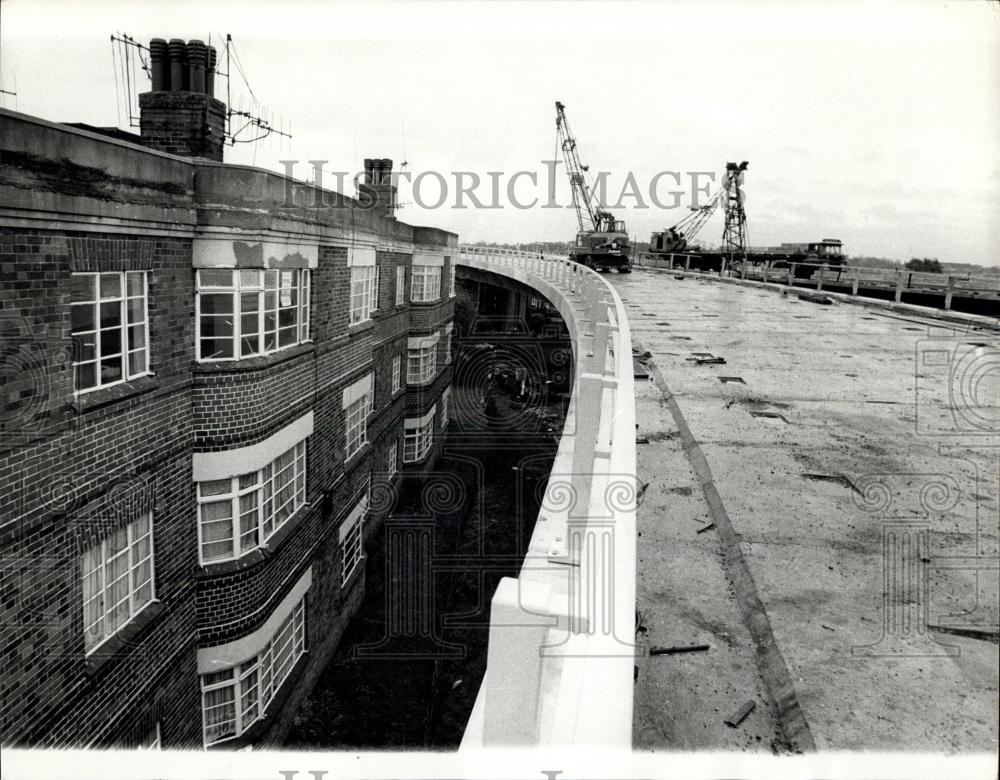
(260, 554)
(433, 302)
(122, 643)
(253, 363)
(360, 327)
(94, 399)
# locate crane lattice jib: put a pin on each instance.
(583, 198)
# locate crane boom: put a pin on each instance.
(582, 194)
(602, 242)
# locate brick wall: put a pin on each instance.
(75, 468)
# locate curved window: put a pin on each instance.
(233, 699)
(249, 311)
(239, 514)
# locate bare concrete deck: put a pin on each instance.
(852, 461)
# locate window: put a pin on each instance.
(351, 537)
(426, 283)
(110, 328)
(117, 580)
(392, 462)
(421, 360)
(445, 396)
(357, 424)
(400, 285)
(451, 279)
(233, 699)
(248, 312)
(418, 435)
(240, 514)
(358, 402)
(364, 292)
(397, 365)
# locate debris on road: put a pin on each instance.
(737, 717)
(675, 649)
(708, 527)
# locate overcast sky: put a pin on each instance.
(875, 124)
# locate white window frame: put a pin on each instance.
(392, 461)
(400, 285)
(130, 328)
(256, 681)
(421, 359)
(356, 425)
(269, 290)
(100, 563)
(364, 293)
(451, 280)
(352, 546)
(397, 374)
(264, 486)
(426, 283)
(418, 437)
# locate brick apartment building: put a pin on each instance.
(203, 373)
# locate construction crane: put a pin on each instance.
(602, 241)
(680, 237)
(734, 234)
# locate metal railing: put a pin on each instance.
(561, 642)
(848, 277)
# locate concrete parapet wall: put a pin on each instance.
(561, 652)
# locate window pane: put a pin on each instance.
(111, 314)
(216, 303)
(136, 287)
(136, 336)
(111, 286)
(111, 370)
(83, 317)
(82, 287)
(136, 310)
(215, 487)
(84, 347)
(137, 363)
(215, 277)
(111, 342)
(250, 278)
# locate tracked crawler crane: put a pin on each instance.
(602, 241)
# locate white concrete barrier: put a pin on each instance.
(561, 645)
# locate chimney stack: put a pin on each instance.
(180, 114)
(377, 189)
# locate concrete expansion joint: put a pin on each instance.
(770, 661)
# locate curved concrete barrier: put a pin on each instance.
(561, 645)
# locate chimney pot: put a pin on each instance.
(177, 51)
(197, 56)
(210, 73)
(158, 64)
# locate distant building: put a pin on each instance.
(202, 375)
